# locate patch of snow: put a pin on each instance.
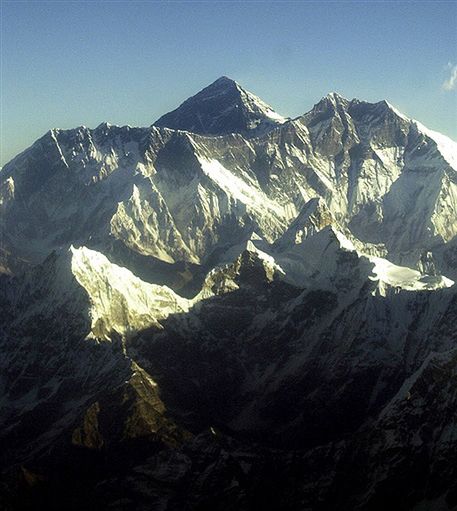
(271, 114)
(404, 277)
(239, 189)
(345, 244)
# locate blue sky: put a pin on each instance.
(68, 63)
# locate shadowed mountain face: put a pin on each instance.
(231, 310)
(221, 108)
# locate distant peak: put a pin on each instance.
(335, 99)
(224, 80)
(222, 83)
(380, 106)
(220, 108)
(336, 96)
(103, 126)
(331, 102)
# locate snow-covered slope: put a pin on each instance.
(121, 302)
(405, 278)
(329, 260)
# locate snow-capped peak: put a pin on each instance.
(335, 97)
(332, 100)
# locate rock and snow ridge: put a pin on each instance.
(118, 302)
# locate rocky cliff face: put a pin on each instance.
(227, 303)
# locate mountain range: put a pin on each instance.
(231, 309)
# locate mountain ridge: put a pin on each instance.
(141, 143)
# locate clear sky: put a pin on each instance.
(68, 63)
